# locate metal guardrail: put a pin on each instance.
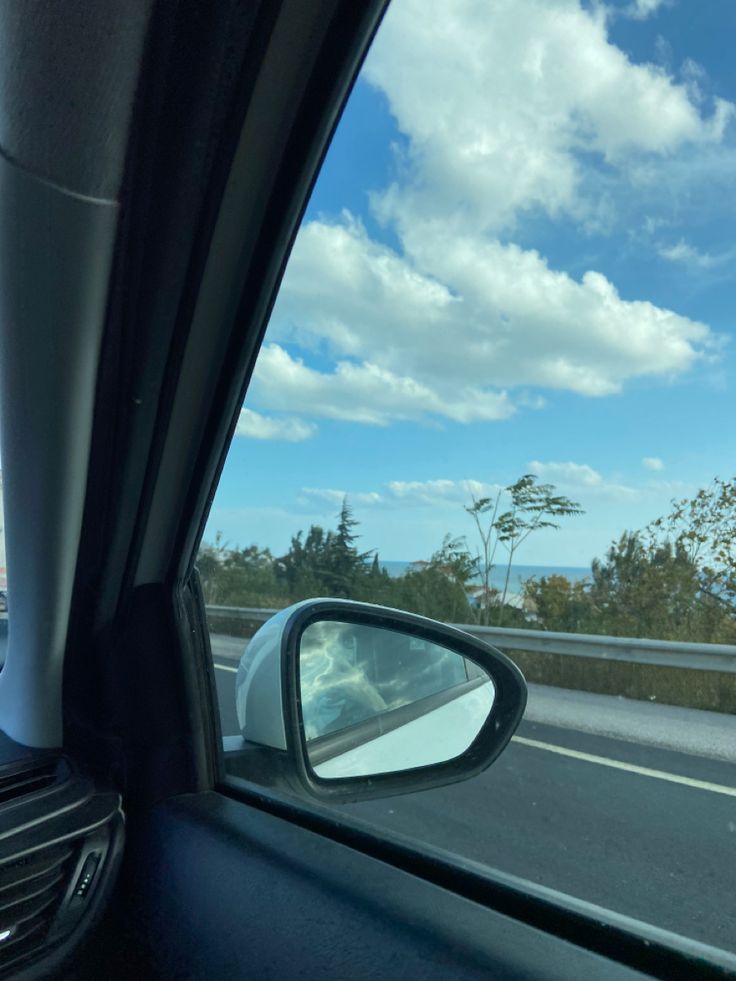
(242, 612)
(670, 653)
(702, 657)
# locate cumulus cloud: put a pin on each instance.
(405, 493)
(574, 478)
(503, 107)
(653, 463)
(583, 480)
(449, 331)
(334, 497)
(567, 473)
(498, 100)
(642, 9)
(367, 392)
(434, 491)
(685, 253)
(253, 425)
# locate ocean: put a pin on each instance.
(519, 573)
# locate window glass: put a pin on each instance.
(497, 390)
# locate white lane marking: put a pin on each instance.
(644, 771)
(224, 667)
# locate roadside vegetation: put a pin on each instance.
(673, 580)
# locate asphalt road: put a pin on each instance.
(658, 846)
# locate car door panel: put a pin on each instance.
(214, 888)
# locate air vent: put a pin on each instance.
(31, 890)
(27, 781)
(56, 833)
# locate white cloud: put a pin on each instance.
(366, 392)
(436, 491)
(652, 463)
(688, 255)
(443, 494)
(404, 493)
(642, 9)
(579, 474)
(499, 99)
(253, 425)
(583, 481)
(499, 102)
(447, 332)
(334, 497)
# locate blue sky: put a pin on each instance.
(519, 257)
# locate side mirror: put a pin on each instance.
(349, 701)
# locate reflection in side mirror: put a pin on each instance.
(348, 701)
(376, 700)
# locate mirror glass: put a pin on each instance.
(377, 700)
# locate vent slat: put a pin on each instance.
(10, 903)
(30, 780)
(27, 909)
(23, 787)
(31, 889)
(27, 869)
(48, 812)
(39, 771)
(36, 769)
(26, 937)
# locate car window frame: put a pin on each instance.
(620, 938)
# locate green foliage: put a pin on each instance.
(675, 580)
(640, 589)
(439, 588)
(328, 563)
(238, 577)
(704, 528)
(324, 563)
(560, 604)
(654, 589)
(531, 507)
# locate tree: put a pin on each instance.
(704, 528)
(532, 507)
(485, 507)
(302, 570)
(238, 577)
(439, 588)
(454, 561)
(324, 563)
(209, 564)
(559, 604)
(650, 589)
(344, 565)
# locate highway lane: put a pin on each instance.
(639, 844)
(225, 668)
(656, 850)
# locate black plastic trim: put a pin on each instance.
(508, 705)
(346, 43)
(630, 942)
(45, 838)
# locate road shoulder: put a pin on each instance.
(698, 733)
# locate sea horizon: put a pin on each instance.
(519, 573)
